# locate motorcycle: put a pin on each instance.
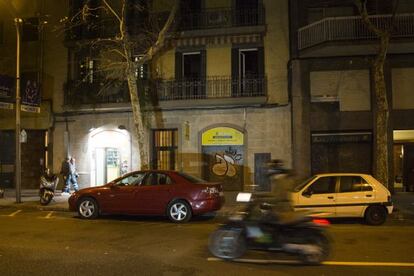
(259, 228)
(48, 184)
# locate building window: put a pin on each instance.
(164, 149)
(1, 32)
(316, 14)
(248, 71)
(141, 72)
(246, 12)
(86, 69)
(30, 29)
(191, 73)
(349, 88)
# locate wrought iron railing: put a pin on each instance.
(353, 28)
(222, 17)
(78, 92)
(210, 88)
(102, 27)
(218, 87)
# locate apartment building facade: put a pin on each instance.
(219, 97)
(333, 101)
(42, 70)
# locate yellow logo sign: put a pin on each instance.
(222, 136)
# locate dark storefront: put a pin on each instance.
(341, 152)
(33, 158)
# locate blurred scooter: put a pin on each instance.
(48, 184)
(262, 225)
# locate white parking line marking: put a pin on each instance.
(368, 263)
(259, 261)
(14, 213)
(49, 215)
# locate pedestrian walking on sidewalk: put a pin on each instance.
(70, 175)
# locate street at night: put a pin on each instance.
(131, 131)
(60, 243)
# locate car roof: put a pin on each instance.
(344, 174)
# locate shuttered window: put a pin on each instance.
(165, 149)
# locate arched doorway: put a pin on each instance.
(223, 156)
(110, 154)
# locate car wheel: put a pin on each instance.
(88, 208)
(179, 211)
(375, 215)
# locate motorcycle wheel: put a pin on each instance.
(227, 243)
(321, 243)
(45, 198)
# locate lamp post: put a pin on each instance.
(18, 166)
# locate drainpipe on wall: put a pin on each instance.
(66, 140)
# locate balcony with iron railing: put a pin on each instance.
(215, 87)
(352, 29)
(223, 18)
(217, 90)
(217, 18)
(99, 91)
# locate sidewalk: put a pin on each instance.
(30, 200)
(403, 203)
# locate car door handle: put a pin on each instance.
(111, 195)
(368, 195)
(330, 197)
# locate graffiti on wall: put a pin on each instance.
(223, 156)
(225, 163)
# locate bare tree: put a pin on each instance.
(117, 52)
(381, 116)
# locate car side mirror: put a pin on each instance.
(307, 193)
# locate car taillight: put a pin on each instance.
(210, 191)
(321, 222)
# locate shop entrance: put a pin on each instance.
(110, 154)
(108, 164)
(404, 160)
(223, 157)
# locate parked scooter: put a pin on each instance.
(48, 184)
(262, 226)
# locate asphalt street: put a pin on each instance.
(59, 243)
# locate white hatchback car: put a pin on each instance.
(344, 195)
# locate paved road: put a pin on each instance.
(58, 243)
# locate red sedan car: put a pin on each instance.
(177, 195)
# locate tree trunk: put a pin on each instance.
(135, 104)
(381, 166)
(381, 117)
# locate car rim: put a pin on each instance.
(377, 216)
(86, 208)
(178, 211)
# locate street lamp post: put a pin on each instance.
(18, 167)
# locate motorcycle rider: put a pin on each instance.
(277, 201)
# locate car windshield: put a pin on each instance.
(192, 179)
(303, 184)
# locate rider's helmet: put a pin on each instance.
(275, 166)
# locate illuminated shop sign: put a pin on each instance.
(222, 136)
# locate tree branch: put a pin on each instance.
(160, 43)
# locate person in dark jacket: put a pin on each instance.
(70, 175)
